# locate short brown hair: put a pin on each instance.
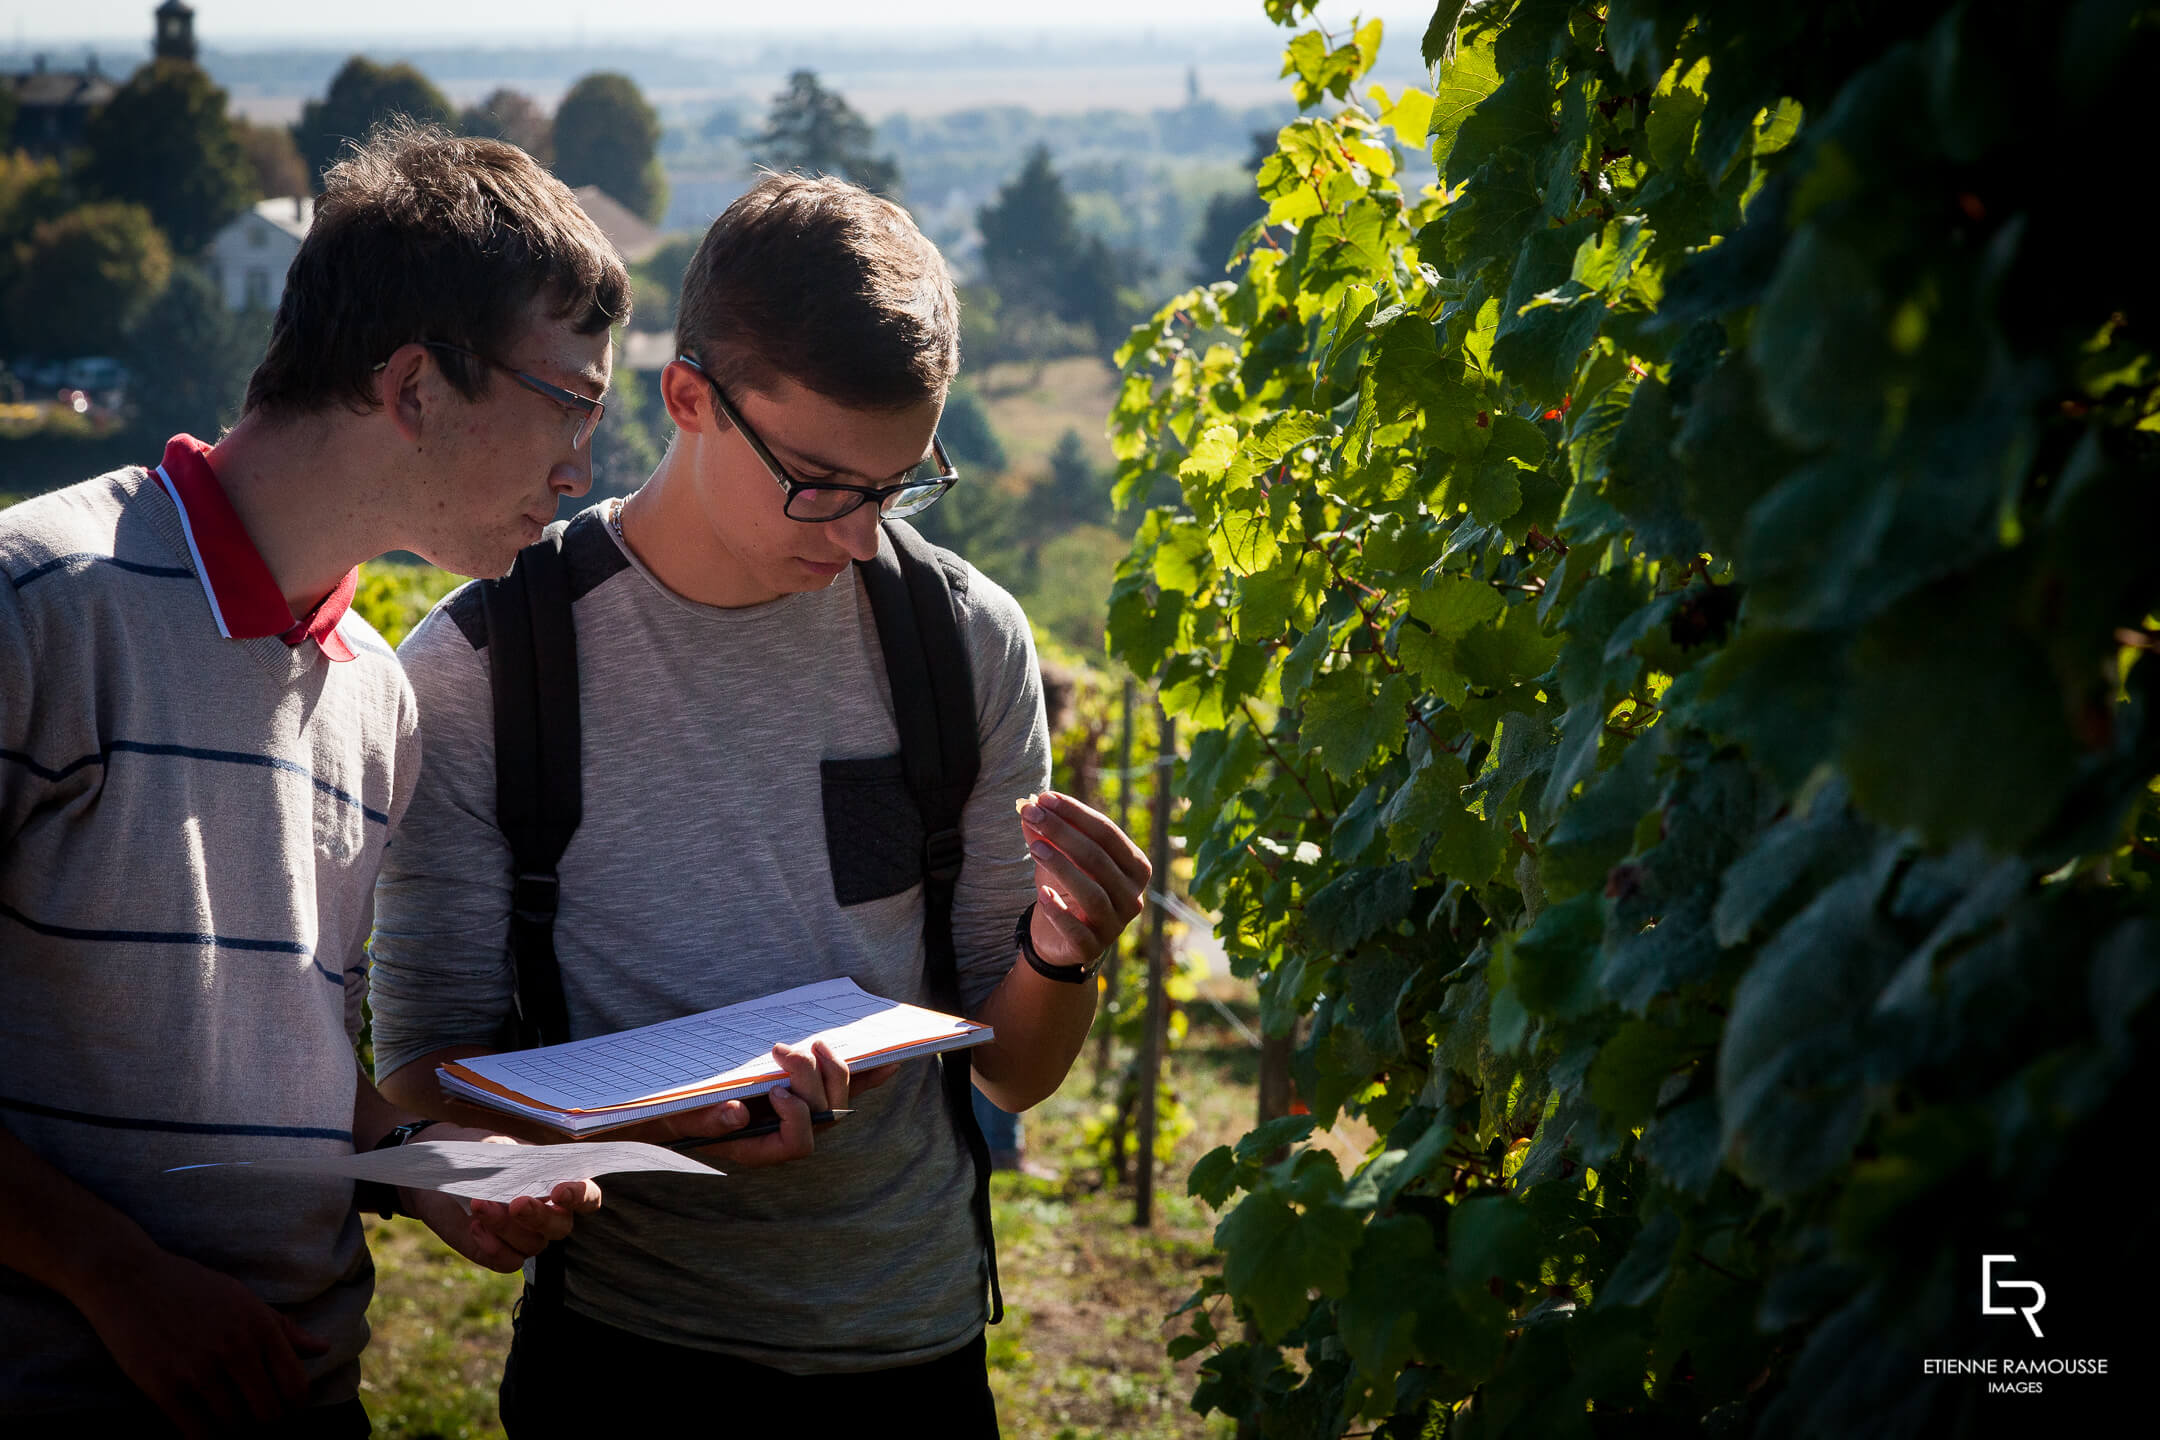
(827, 284)
(422, 235)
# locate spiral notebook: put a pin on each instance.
(725, 1054)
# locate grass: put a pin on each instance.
(1079, 1356)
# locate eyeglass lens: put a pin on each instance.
(813, 502)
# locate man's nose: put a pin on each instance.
(859, 532)
(574, 475)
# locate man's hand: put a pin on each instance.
(209, 1353)
(817, 1080)
(1089, 878)
(501, 1237)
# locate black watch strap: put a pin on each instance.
(378, 1196)
(1063, 974)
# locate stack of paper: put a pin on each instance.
(725, 1054)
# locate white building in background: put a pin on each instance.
(248, 258)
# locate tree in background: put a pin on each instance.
(811, 130)
(1230, 214)
(1038, 260)
(85, 278)
(965, 430)
(165, 143)
(606, 135)
(363, 94)
(32, 191)
(656, 285)
(8, 108)
(514, 116)
(1074, 492)
(630, 441)
(190, 358)
(276, 161)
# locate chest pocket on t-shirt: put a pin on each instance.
(873, 832)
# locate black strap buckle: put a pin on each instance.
(942, 854)
(534, 895)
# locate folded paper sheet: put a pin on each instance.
(481, 1170)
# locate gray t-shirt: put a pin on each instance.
(705, 873)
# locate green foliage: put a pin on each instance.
(32, 191)
(83, 279)
(1666, 626)
(811, 130)
(606, 135)
(165, 142)
(658, 281)
(1039, 261)
(394, 596)
(514, 116)
(273, 160)
(968, 435)
(363, 95)
(189, 359)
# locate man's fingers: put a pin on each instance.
(1080, 891)
(803, 1079)
(832, 1071)
(261, 1393)
(305, 1342)
(286, 1371)
(578, 1197)
(485, 1248)
(1065, 851)
(1060, 815)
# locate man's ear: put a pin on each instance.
(399, 392)
(689, 400)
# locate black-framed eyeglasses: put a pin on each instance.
(815, 502)
(583, 408)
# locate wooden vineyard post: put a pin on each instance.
(1110, 966)
(1151, 1041)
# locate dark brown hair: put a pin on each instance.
(827, 284)
(421, 235)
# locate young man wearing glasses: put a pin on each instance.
(202, 753)
(727, 652)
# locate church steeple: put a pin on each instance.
(175, 32)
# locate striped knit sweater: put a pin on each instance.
(190, 828)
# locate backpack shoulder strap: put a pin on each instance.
(539, 800)
(912, 588)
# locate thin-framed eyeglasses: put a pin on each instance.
(586, 410)
(816, 502)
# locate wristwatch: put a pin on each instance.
(1063, 974)
(380, 1196)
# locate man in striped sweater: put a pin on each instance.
(202, 754)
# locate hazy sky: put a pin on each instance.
(217, 22)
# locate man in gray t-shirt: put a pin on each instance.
(726, 653)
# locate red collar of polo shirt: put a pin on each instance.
(244, 596)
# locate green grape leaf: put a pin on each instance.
(1214, 1176)
(1272, 1256)
(1391, 1278)
(1348, 722)
(1439, 38)
(1142, 629)
(1356, 905)
(1465, 82)
(1490, 1237)
(1516, 113)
